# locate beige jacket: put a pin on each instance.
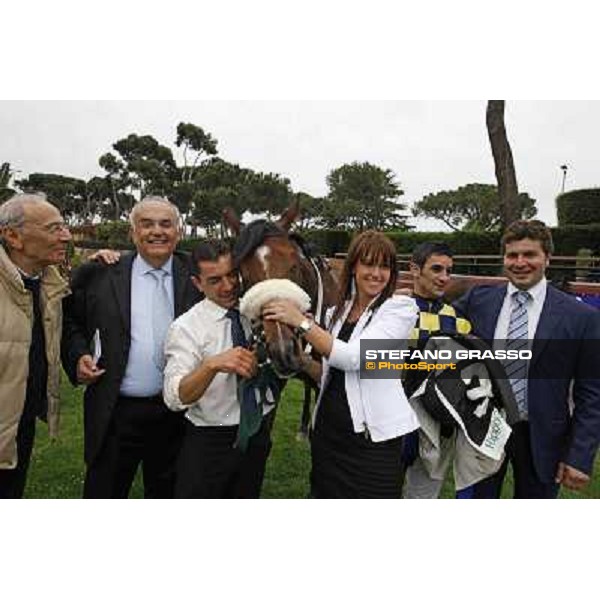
(16, 314)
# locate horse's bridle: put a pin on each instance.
(257, 338)
(258, 341)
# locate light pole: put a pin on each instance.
(564, 169)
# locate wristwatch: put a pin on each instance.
(305, 326)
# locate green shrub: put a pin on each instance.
(461, 242)
(328, 241)
(99, 244)
(569, 240)
(583, 263)
(112, 233)
(579, 207)
(188, 244)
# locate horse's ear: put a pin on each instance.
(231, 220)
(290, 215)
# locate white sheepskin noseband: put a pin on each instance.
(272, 289)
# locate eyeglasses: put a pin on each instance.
(51, 228)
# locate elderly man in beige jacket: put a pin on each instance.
(34, 239)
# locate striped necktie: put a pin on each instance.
(162, 315)
(517, 339)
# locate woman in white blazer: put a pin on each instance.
(358, 425)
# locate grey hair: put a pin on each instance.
(148, 199)
(12, 212)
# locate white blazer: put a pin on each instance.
(377, 406)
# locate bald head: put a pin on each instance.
(33, 232)
(12, 212)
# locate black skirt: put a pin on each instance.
(346, 464)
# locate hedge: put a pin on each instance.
(567, 241)
(579, 207)
(113, 233)
(462, 242)
(99, 244)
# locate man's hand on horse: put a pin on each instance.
(284, 311)
(237, 360)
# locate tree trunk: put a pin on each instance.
(116, 202)
(503, 161)
(88, 206)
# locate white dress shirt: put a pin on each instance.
(142, 376)
(203, 331)
(534, 309)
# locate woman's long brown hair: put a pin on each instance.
(371, 248)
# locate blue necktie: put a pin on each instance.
(516, 339)
(238, 336)
(162, 315)
(250, 412)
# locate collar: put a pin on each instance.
(432, 305)
(354, 295)
(537, 292)
(214, 309)
(18, 269)
(51, 280)
(367, 312)
(27, 275)
(141, 267)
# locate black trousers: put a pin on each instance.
(142, 431)
(211, 467)
(526, 481)
(12, 481)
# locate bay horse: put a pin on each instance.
(266, 250)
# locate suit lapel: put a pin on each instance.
(121, 284)
(180, 281)
(550, 319)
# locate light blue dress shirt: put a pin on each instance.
(142, 376)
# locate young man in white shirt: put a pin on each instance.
(204, 367)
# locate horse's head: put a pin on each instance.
(280, 343)
(263, 251)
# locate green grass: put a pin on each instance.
(57, 465)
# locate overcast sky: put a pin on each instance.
(429, 145)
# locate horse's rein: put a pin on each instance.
(320, 295)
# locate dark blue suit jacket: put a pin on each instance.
(556, 434)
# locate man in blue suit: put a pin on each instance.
(559, 400)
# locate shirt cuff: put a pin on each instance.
(344, 356)
(171, 393)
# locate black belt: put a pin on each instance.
(156, 398)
